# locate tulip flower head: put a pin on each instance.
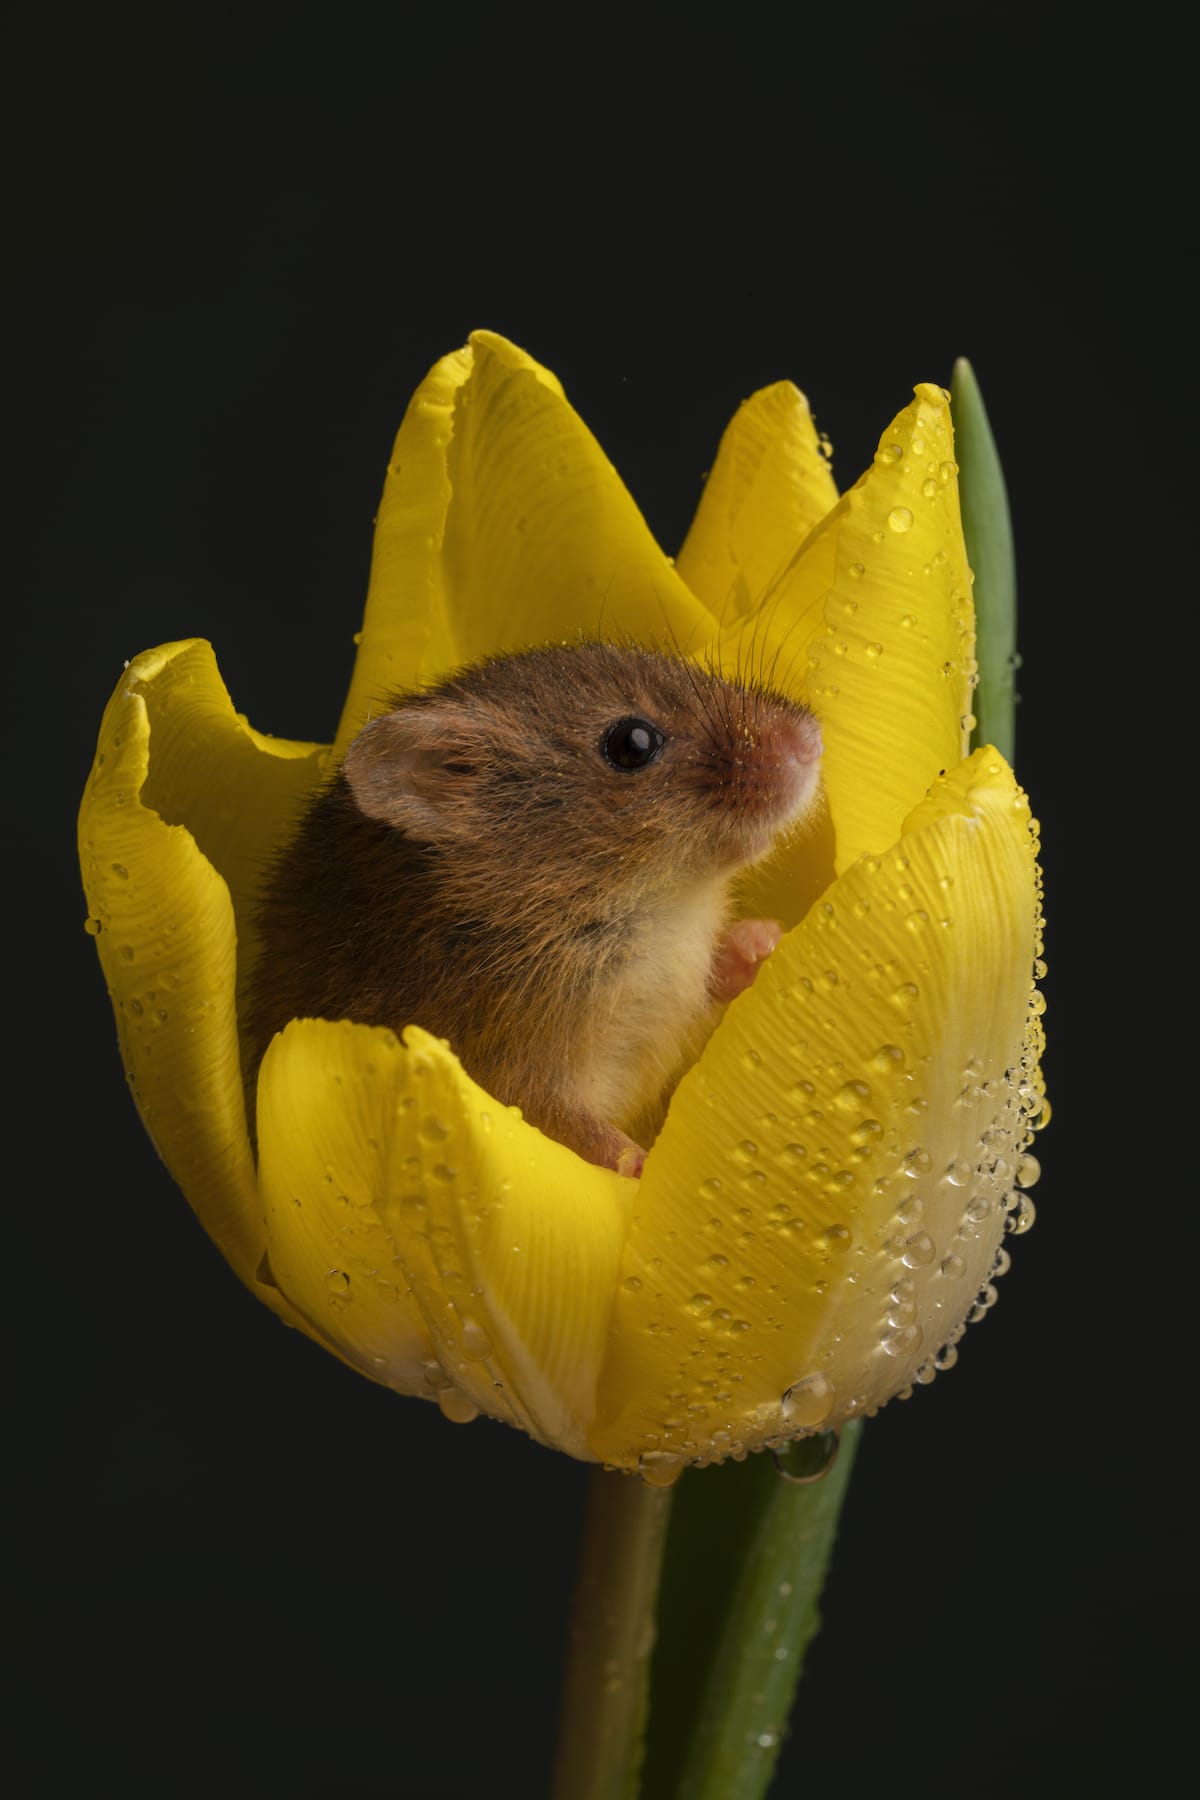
(827, 1203)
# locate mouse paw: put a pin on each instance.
(738, 954)
(631, 1162)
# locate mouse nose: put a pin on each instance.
(799, 746)
(801, 739)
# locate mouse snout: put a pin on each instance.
(796, 745)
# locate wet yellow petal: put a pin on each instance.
(503, 524)
(511, 1244)
(769, 486)
(828, 1194)
(333, 1100)
(237, 791)
(873, 624)
(167, 936)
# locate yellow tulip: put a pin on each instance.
(826, 1203)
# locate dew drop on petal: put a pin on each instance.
(476, 1345)
(919, 1251)
(455, 1406)
(808, 1402)
(658, 1468)
(900, 519)
(903, 1341)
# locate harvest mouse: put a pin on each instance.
(532, 861)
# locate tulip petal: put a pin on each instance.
(332, 1100)
(829, 1190)
(165, 922)
(769, 486)
(503, 525)
(872, 623)
(511, 1244)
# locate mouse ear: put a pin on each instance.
(418, 769)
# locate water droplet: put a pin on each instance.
(953, 1268)
(746, 1151)
(903, 1341)
(946, 1357)
(905, 994)
(476, 1345)
(632, 1284)
(126, 953)
(889, 453)
(919, 1251)
(658, 1468)
(456, 1407)
(808, 1402)
(929, 489)
(958, 1174)
(852, 1095)
(1029, 1170)
(900, 519)
(92, 927)
(1021, 1218)
(434, 1131)
(806, 1460)
(889, 1059)
(121, 871)
(856, 571)
(837, 1239)
(337, 1286)
(700, 1303)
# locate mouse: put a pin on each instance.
(533, 861)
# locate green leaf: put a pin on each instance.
(745, 1562)
(988, 531)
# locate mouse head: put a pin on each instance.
(598, 757)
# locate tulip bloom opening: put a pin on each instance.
(827, 1202)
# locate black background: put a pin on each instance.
(241, 238)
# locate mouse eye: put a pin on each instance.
(631, 743)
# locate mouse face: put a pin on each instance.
(603, 765)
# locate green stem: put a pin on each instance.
(745, 1566)
(988, 531)
(605, 1694)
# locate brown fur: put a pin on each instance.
(478, 868)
